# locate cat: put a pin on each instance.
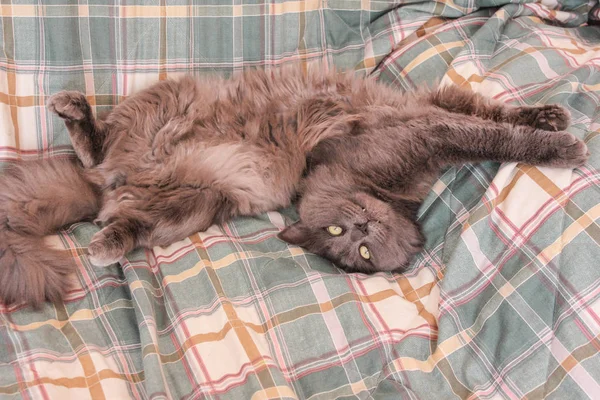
(184, 154)
(360, 199)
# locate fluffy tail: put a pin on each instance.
(36, 199)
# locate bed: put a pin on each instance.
(504, 302)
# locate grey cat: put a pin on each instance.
(184, 154)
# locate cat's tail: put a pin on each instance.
(36, 199)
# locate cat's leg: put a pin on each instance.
(155, 218)
(87, 133)
(456, 99)
(114, 241)
(471, 139)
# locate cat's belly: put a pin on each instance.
(253, 178)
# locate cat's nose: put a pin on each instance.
(363, 227)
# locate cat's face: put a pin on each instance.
(357, 231)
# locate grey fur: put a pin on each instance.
(184, 154)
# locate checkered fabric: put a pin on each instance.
(503, 303)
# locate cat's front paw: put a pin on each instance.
(69, 105)
(568, 152)
(549, 118)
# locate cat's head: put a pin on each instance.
(356, 230)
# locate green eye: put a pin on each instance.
(334, 230)
(364, 252)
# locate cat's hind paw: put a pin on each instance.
(104, 252)
(69, 105)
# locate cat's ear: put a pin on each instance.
(296, 234)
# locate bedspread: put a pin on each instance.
(504, 301)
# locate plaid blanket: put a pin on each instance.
(503, 303)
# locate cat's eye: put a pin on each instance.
(334, 230)
(364, 252)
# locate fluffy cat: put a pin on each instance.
(183, 154)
